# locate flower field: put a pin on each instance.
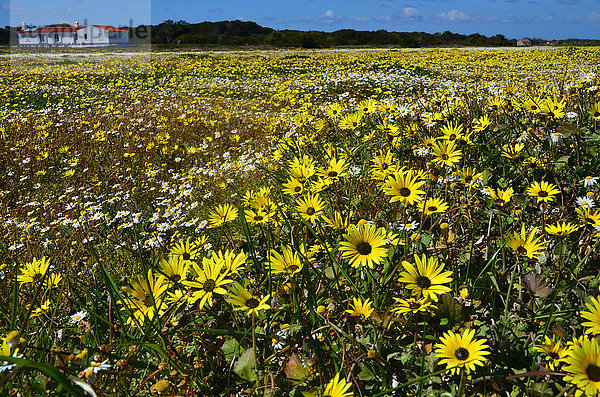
(304, 223)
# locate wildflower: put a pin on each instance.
(527, 244)
(33, 271)
(174, 268)
(544, 191)
(292, 187)
(412, 305)
(562, 229)
(595, 110)
(147, 297)
(223, 214)
(94, 368)
(361, 310)
(461, 351)
(77, 317)
(446, 153)
(351, 121)
(231, 262)
(583, 367)
(588, 217)
(402, 186)
(589, 181)
(289, 262)
(593, 316)
(364, 245)
(183, 251)
(555, 351)
(310, 207)
(334, 110)
(501, 197)
(245, 301)
(336, 169)
(338, 388)
(586, 202)
(427, 279)
(433, 205)
(208, 281)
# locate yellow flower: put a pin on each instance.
(544, 191)
(412, 305)
(33, 271)
(360, 309)
(364, 245)
(338, 388)
(593, 316)
(527, 244)
(147, 297)
(243, 300)
(289, 262)
(426, 279)
(562, 229)
(461, 351)
(446, 153)
(223, 214)
(583, 366)
(310, 207)
(433, 205)
(402, 186)
(209, 280)
(555, 351)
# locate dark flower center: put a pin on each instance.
(258, 218)
(533, 107)
(148, 301)
(521, 250)
(292, 268)
(468, 178)
(310, 211)
(297, 188)
(175, 277)
(186, 256)
(332, 174)
(444, 156)
(364, 248)
(384, 166)
(596, 114)
(461, 353)
(252, 303)
(405, 192)
(543, 193)
(452, 137)
(593, 373)
(209, 285)
(414, 305)
(554, 355)
(423, 282)
(432, 208)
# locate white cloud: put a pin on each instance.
(329, 14)
(411, 13)
(594, 17)
(454, 16)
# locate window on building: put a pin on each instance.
(85, 36)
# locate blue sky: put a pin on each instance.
(550, 19)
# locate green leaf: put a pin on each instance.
(46, 370)
(246, 365)
(231, 349)
(365, 373)
(295, 370)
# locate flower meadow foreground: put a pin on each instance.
(301, 223)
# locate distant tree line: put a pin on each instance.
(238, 33)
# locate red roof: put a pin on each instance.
(65, 29)
(110, 28)
(52, 29)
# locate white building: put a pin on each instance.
(72, 35)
